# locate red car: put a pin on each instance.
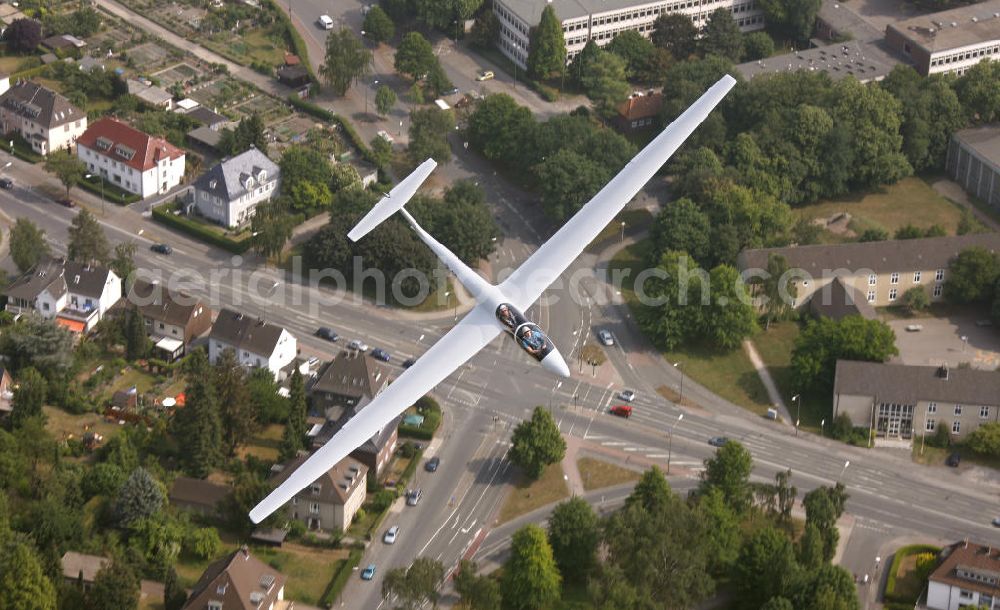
(622, 411)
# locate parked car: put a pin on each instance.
(369, 572)
(718, 441)
(161, 248)
(325, 22)
(451, 91)
(390, 535)
(432, 464)
(484, 75)
(954, 460)
(385, 136)
(67, 203)
(413, 496)
(914, 328)
(408, 363)
(627, 395)
(996, 522)
(358, 344)
(326, 333)
(6, 183)
(606, 337)
(380, 354)
(621, 411)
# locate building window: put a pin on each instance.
(939, 275)
(894, 278)
(956, 427)
(932, 407)
(315, 489)
(214, 605)
(871, 296)
(916, 277)
(930, 425)
(314, 508)
(871, 279)
(958, 410)
(892, 294)
(937, 290)
(984, 412)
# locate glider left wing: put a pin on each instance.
(461, 343)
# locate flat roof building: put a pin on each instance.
(949, 41)
(974, 162)
(865, 61)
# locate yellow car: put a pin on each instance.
(484, 75)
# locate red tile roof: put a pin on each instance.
(641, 107)
(118, 139)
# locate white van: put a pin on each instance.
(325, 22)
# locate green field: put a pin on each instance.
(527, 495)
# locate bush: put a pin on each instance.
(202, 542)
(296, 529)
(341, 573)
(110, 192)
(383, 500)
(897, 559)
(163, 214)
(407, 450)
(310, 108)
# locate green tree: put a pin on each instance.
(270, 407)
(972, 276)
(777, 289)
(485, 31)
(573, 534)
(722, 530)
(66, 167)
(568, 180)
(293, 437)
(828, 588)
(87, 242)
(675, 33)
(722, 36)
(931, 112)
(40, 343)
(377, 25)
(29, 396)
(136, 341)
(116, 587)
(414, 56)
(462, 221)
(536, 443)
(346, 60)
(636, 50)
(777, 603)
(824, 341)
(530, 580)
(429, 129)
(249, 133)
(271, 227)
(824, 505)
(23, 583)
(141, 496)
(672, 314)
(765, 568)
(985, 439)
(382, 151)
(547, 47)
(652, 493)
(730, 317)
(915, 299)
(437, 82)
(979, 91)
(239, 421)
(27, 244)
(498, 126)
(870, 119)
(247, 490)
(758, 45)
(604, 82)
(811, 548)
(415, 585)
(581, 63)
(682, 226)
(729, 472)
(477, 592)
(199, 422)
(793, 19)
(174, 596)
(123, 263)
(305, 175)
(385, 98)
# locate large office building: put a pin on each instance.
(949, 41)
(974, 162)
(602, 20)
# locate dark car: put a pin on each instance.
(326, 333)
(161, 248)
(954, 460)
(408, 363)
(432, 464)
(67, 203)
(451, 91)
(718, 441)
(6, 183)
(380, 354)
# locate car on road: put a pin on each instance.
(369, 572)
(385, 136)
(954, 460)
(325, 22)
(380, 354)
(413, 496)
(996, 522)
(6, 183)
(718, 441)
(627, 395)
(484, 75)
(451, 91)
(358, 344)
(432, 464)
(409, 362)
(621, 411)
(390, 535)
(161, 248)
(606, 337)
(67, 203)
(914, 328)
(326, 333)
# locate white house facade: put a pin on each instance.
(255, 342)
(77, 295)
(43, 118)
(130, 159)
(230, 192)
(968, 576)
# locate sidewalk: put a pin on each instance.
(952, 191)
(768, 381)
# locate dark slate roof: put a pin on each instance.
(372, 445)
(47, 274)
(911, 384)
(41, 105)
(879, 256)
(838, 300)
(206, 117)
(335, 486)
(227, 179)
(160, 304)
(351, 373)
(205, 135)
(245, 332)
(88, 280)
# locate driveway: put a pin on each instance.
(939, 341)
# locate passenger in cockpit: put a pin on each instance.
(532, 340)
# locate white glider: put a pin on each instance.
(498, 308)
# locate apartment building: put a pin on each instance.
(45, 119)
(130, 159)
(948, 41)
(974, 162)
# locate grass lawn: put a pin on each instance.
(635, 221)
(908, 585)
(909, 201)
(150, 604)
(132, 376)
(597, 473)
(775, 347)
(265, 444)
(437, 300)
(529, 495)
(397, 466)
(63, 425)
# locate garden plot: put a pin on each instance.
(179, 73)
(147, 57)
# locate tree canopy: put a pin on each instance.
(530, 579)
(346, 60)
(429, 130)
(27, 244)
(87, 242)
(824, 341)
(536, 443)
(547, 47)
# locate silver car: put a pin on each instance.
(606, 337)
(413, 496)
(390, 535)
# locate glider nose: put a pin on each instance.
(554, 363)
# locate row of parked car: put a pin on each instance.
(357, 344)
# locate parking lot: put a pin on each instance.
(940, 341)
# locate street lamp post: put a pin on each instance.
(670, 440)
(822, 423)
(677, 365)
(844, 469)
(89, 176)
(798, 412)
(400, 128)
(623, 231)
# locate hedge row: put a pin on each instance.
(22, 150)
(902, 553)
(110, 192)
(404, 479)
(164, 215)
(29, 73)
(310, 108)
(355, 139)
(298, 45)
(326, 115)
(344, 570)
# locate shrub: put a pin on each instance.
(164, 215)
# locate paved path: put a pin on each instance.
(765, 376)
(952, 191)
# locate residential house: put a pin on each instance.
(130, 159)
(968, 576)
(77, 295)
(238, 581)
(641, 111)
(81, 568)
(171, 314)
(6, 391)
(229, 193)
(948, 41)
(880, 271)
(197, 495)
(332, 500)
(974, 162)
(902, 401)
(256, 343)
(45, 119)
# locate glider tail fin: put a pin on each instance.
(393, 201)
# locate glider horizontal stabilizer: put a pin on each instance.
(393, 201)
